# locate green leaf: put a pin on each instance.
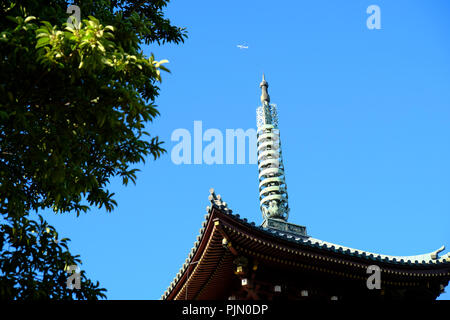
(42, 42)
(30, 18)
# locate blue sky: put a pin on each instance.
(365, 131)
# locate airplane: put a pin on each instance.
(240, 46)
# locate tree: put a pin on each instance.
(74, 101)
(34, 264)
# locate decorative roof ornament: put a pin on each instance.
(216, 201)
(272, 185)
(265, 98)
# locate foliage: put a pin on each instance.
(34, 263)
(74, 100)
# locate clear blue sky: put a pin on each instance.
(365, 131)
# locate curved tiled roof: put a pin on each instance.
(188, 260)
(428, 259)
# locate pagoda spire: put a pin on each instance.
(264, 95)
(272, 185)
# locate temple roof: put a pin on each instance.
(428, 264)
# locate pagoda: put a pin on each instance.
(234, 259)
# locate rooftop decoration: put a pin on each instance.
(272, 185)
